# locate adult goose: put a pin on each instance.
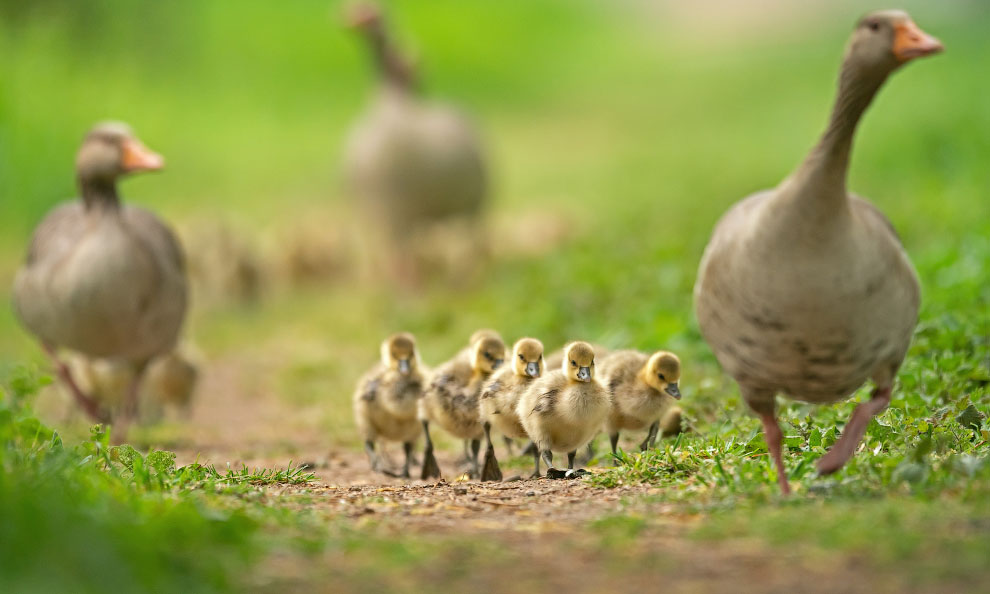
(805, 289)
(410, 162)
(101, 278)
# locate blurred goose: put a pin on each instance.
(101, 278)
(411, 163)
(169, 384)
(643, 387)
(500, 396)
(387, 397)
(451, 400)
(805, 289)
(563, 410)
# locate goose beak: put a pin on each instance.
(911, 42)
(404, 366)
(533, 369)
(497, 363)
(137, 157)
(673, 390)
(584, 374)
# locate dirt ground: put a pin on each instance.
(519, 534)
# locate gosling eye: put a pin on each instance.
(662, 378)
(874, 25)
(488, 356)
(521, 358)
(573, 363)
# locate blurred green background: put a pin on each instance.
(618, 132)
(633, 125)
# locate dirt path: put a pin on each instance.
(514, 536)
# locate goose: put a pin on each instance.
(411, 163)
(451, 399)
(643, 388)
(169, 383)
(563, 410)
(805, 289)
(500, 396)
(104, 279)
(387, 398)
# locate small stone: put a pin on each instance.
(460, 491)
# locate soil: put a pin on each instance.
(535, 534)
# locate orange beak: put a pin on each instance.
(910, 42)
(138, 157)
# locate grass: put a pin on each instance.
(636, 124)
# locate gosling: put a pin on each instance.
(564, 409)
(644, 388)
(499, 399)
(451, 400)
(386, 400)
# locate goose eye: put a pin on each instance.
(521, 358)
(874, 26)
(662, 378)
(573, 364)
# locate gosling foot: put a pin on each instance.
(431, 469)
(569, 474)
(490, 470)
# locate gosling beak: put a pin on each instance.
(584, 374)
(137, 157)
(911, 42)
(497, 363)
(673, 390)
(404, 366)
(533, 369)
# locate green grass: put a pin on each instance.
(637, 125)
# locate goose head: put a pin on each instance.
(365, 17)
(487, 354)
(483, 333)
(579, 362)
(399, 353)
(886, 39)
(663, 372)
(111, 150)
(527, 357)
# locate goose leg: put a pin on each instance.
(762, 403)
(651, 437)
(613, 440)
(508, 445)
(475, 467)
(86, 402)
(430, 467)
(571, 473)
(408, 448)
(845, 447)
(775, 440)
(131, 400)
(588, 454)
(552, 473)
(373, 459)
(129, 411)
(490, 470)
(536, 462)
